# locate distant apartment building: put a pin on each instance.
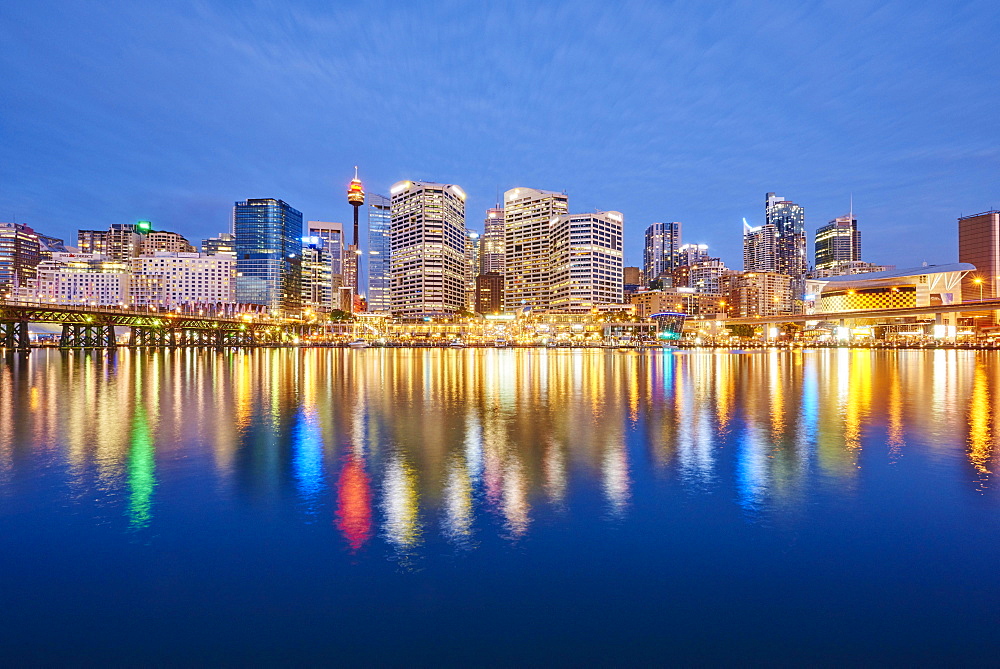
(427, 236)
(585, 260)
(268, 254)
(659, 253)
(677, 300)
(379, 252)
(20, 253)
(750, 294)
(528, 213)
(162, 241)
(759, 248)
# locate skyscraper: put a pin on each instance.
(659, 252)
(979, 244)
(473, 245)
(759, 248)
(268, 254)
(527, 215)
(379, 252)
(789, 223)
(427, 266)
(837, 243)
(586, 260)
(492, 248)
(19, 256)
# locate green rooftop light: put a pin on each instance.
(144, 226)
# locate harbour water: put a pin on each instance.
(492, 507)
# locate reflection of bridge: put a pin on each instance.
(94, 327)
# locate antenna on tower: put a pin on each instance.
(852, 207)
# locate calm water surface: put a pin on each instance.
(436, 507)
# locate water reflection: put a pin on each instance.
(397, 444)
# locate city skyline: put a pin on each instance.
(151, 136)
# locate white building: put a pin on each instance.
(527, 215)
(585, 260)
(427, 236)
(79, 278)
(182, 279)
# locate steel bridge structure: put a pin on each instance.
(94, 327)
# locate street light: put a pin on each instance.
(979, 281)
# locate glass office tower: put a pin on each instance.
(379, 252)
(268, 255)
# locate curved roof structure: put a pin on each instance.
(900, 273)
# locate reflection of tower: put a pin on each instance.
(356, 198)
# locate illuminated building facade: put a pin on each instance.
(837, 242)
(268, 254)
(681, 300)
(662, 242)
(492, 248)
(121, 241)
(79, 279)
(319, 283)
(912, 287)
(473, 245)
(379, 252)
(527, 216)
(225, 242)
(427, 235)
(20, 254)
(585, 260)
(789, 221)
(489, 293)
(979, 245)
(167, 279)
(170, 242)
(750, 294)
(759, 248)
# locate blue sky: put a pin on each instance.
(689, 111)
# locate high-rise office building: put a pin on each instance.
(427, 235)
(319, 284)
(979, 245)
(789, 223)
(379, 252)
(331, 236)
(489, 293)
(19, 256)
(838, 242)
(528, 213)
(492, 246)
(268, 254)
(225, 242)
(586, 260)
(659, 252)
(473, 245)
